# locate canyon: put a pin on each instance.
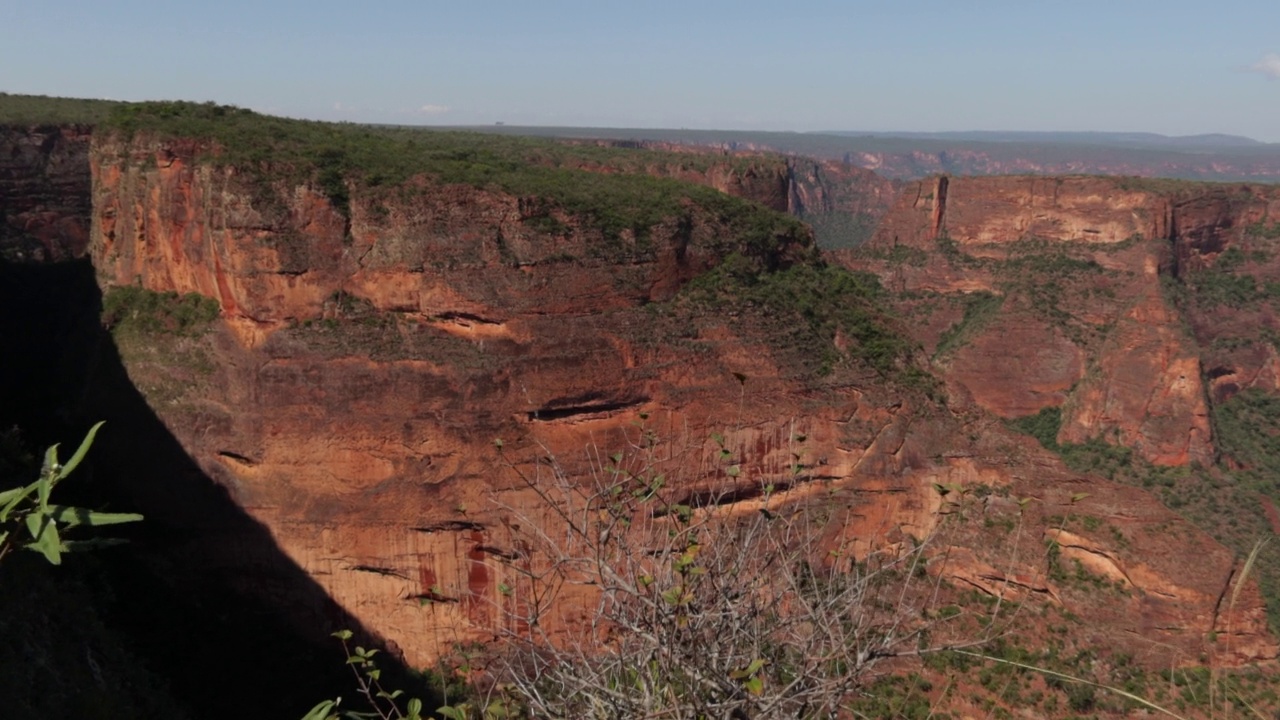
(339, 432)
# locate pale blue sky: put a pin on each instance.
(1169, 66)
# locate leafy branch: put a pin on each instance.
(28, 518)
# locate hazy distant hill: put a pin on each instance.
(1209, 141)
(914, 155)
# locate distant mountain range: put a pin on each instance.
(1216, 157)
(1207, 141)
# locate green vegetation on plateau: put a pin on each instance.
(334, 156)
(42, 110)
(813, 303)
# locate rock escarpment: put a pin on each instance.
(1130, 325)
(374, 339)
(840, 201)
(1084, 315)
(366, 362)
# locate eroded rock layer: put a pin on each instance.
(364, 363)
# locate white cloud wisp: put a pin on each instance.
(1269, 65)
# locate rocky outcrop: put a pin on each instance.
(1146, 393)
(368, 359)
(1089, 270)
(365, 364)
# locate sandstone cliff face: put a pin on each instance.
(351, 394)
(1085, 266)
(44, 193)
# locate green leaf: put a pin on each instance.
(755, 686)
(35, 525)
(342, 634)
(44, 486)
(15, 500)
(733, 470)
(8, 495)
(80, 452)
(452, 712)
(46, 537)
(322, 710)
(72, 516)
(414, 708)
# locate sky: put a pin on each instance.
(1174, 66)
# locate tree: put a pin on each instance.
(704, 602)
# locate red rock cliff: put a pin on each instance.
(364, 365)
(1080, 267)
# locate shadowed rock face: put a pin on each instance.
(44, 193)
(350, 393)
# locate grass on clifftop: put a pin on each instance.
(613, 193)
(331, 155)
(43, 110)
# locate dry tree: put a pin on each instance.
(701, 600)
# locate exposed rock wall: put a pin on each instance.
(367, 363)
(1086, 267)
(364, 363)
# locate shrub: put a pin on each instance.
(712, 600)
(816, 302)
(131, 308)
(980, 308)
